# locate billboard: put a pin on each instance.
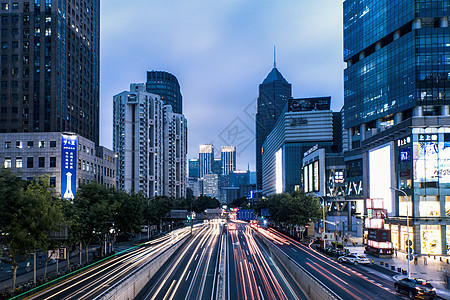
(308, 104)
(311, 177)
(431, 159)
(279, 171)
(68, 166)
(380, 175)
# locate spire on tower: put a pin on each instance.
(274, 58)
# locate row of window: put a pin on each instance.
(82, 165)
(30, 144)
(29, 162)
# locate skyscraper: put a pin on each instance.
(228, 155)
(396, 114)
(194, 168)
(50, 67)
(274, 92)
(205, 158)
(166, 85)
(151, 143)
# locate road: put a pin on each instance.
(96, 278)
(192, 274)
(345, 281)
(252, 274)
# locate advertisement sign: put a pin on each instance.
(431, 160)
(308, 104)
(68, 166)
(316, 176)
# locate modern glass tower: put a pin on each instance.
(274, 92)
(166, 85)
(397, 115)
(205, 159)
(228, 156)
(50, 67)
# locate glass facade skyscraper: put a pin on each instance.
(396, 116)
(274, 92)
(166, 85)
(228, 157)
(397, 55)
(205, 159)
(50, 67)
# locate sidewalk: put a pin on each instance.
(432, 271)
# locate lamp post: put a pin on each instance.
(323, 219)
(407, 226)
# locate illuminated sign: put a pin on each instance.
(68, 166)
(405, 154)
(279, 171)
(316, 176)
(404, 141)
(431, 159)
(380, 175)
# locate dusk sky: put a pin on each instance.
(221, 51)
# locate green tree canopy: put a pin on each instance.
(204, 202)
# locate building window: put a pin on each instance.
(41, 162)
(18, 162)
(30, 144)
(4, 6)
(83, 166)
(7, 164)
(41, 144)
(15, 5)
(7, 145)
(52, 181)
(30, 162)
(52, 144)
(19, 144)
(53, 162)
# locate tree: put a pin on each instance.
(46, 215)
(204, 202)
(92, 215)
(157, 209)
(127, 210)
(240, 202)
(14, 222)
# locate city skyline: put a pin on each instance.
(220, 54)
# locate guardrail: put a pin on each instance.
(130, 286)
(312, 287)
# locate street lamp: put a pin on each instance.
(323, 220)
(407, 226)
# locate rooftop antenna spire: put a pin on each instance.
(274, 58)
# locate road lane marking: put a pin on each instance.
(260, 292)
(294, 249)
(248, 254)
(187, 277)
(253, 268)
(196, 257)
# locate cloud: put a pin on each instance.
(220, 52)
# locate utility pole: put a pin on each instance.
(408, 243)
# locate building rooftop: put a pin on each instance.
(274, 75)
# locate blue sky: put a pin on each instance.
(220, 51)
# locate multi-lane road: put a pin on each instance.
(224, 261)
(344, 281)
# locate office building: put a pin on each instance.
(167, 87)
(194, 168)
(217, 166)
(205, 159)
(68, 159)
(50, 67)
(211, 185)
(274, 93)
(303, 124)
(396, 115)
(228, 156)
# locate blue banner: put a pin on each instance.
(68, 166)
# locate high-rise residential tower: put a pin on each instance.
(151, 143)
(228, 155)
(274, 92)
(166, 85)
(397, 115)
(50, 67)
(205, 159)
(138, 138)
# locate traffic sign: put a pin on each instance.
(409, 250)
(410, 257)
(409, 243)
